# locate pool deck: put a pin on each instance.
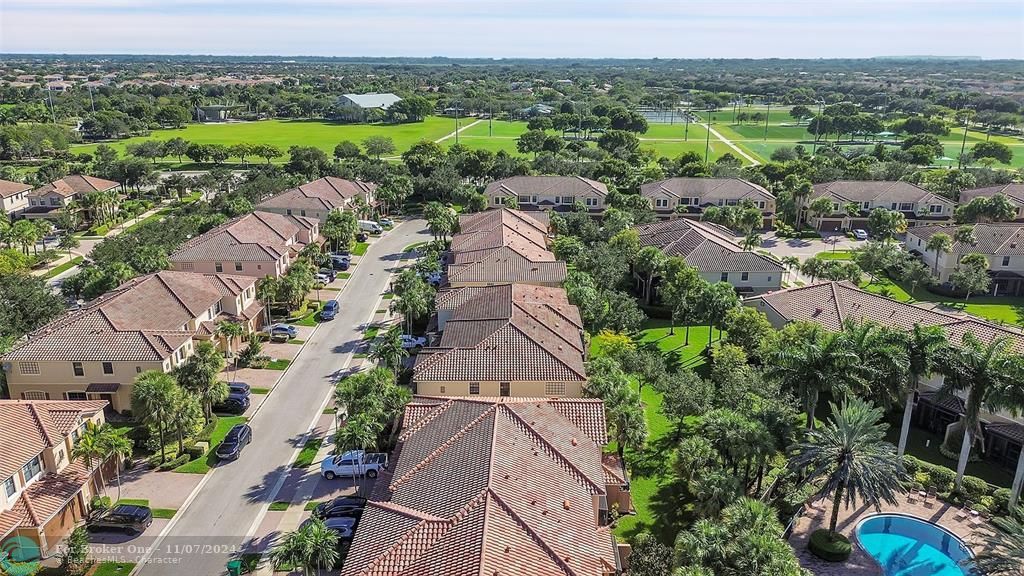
(860, 562)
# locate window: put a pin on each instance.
(35, 396)
(138, 369)
(75, 396)
(558, 199)
(302, 212)
(442, 389)
(506, 388)
(32, 469)
(238, 266)
(760, 204)
(906, 206)
(218, 266)
(29, 368)
(188, 266)
(866, 205)
(108, 368)
(591, 202)
(498, 201)
(658, 202)
(568, 200)
(892, 206)
(1006, 260)
(9, 486)
(935, 209)
(77, 367)
(745, 276)
(835, 207)
(725, 276)
(524, 199)
(474, 387)
(289, 211)
(554, 389)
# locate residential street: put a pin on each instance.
(215, 524)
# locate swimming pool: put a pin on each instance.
(907, 546)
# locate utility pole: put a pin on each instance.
(767, 115)
(686, 129)
(817, 128)
(963, 144)
(735, 104)
(490, 119)
(707, 141)
(49, 98)
(92, 100)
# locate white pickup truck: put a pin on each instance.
(354, 463)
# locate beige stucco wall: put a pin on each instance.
(520, 388)
(759, 281)
(257, 269)
(15, 203)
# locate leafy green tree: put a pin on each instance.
(229, 332)
(152, 400)
(714, 303)
(340, 229)
(925, 346)
(388, 350)
(378, 146)
(971, 276)
(649, 263)
(995, 150)
(92, 449)
(26, 303)
(347, 149)
(747, 328)
(177, 147)
(414, 302)
(649, 557)
(876, 257)
(267, 151)
(185, 416)
(916, 273)
(360, 432)
(531, 141)
(746, 539)
(313, 547)
(681, 287)
(886, 224)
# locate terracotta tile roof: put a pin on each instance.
(1013, 191)
(1001, 239)
(31, 426)
(708, 190)
(506, 333)
(859, 191)
(705, 246)
(75, 184)
(546, 186)
(44, 498)
(832, 303)
(323, 194)
(504, 265)
(8, 188)
(488, 486)
(486, 231)
(141, 320)
(259, 236)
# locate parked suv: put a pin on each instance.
(330, 310)
(125, 517)
(340, 507)
(233, 404)
(237, 438)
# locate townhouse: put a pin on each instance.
(1013, 192)
(853, 201)
(832, 304)
(13, 198)
(319, 198)
(258, 244)
(148, 323)
(557, 193)
(44, 493)
(502, 246)
(504, 340)
(494, 486)
(50, 199)
(1002, 244)
(710, 249)
(689, 197)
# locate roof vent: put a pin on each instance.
(565, 504)
(575, 442)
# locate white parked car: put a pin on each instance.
(323, 278)
(860, 234)
(386, 222)
(348, 464)
(409, 341)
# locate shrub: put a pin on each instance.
(172, 464)
(974, 488)
(194, 452)
(1001, 501)
(828, 546)
(911, 464)
(249, 353)
(99, 503)
(922, 478)
(941, 477)
(260, 362)
(74, 559)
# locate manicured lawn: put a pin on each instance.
(311, 505)
(837, 255)
(113, 569)
(371, 333)
(999, 309)
(412, 247)
(278, 364)
(64, 267)
(285, 133)
(330, 410)
(360, 248)
(387, 296)
(310, 318)
(308, 453)
(203, 464)
(165, 513)
(344, 275)
(279, 506)
(296, 341)
(260, 390)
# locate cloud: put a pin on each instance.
(525, 28)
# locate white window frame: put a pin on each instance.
(24, 472)
(13, 487)
(658, 202)
(1006, 261)
(935, 209)
(32, 368)
(909, 206)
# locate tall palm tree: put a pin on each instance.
(229, 332)
(359, 433)
(91, 449)
(182, 419)
(821, 362)
(940, 243)
(313, 547)
(650, 262)
(924, 346)
(413, 303)
(389, 351)
(25, 233)
(1003, 547)
(120, 447)
(628, 421)
(985, 373)
(882, 369)
(266, 292)
(850, 460)
(153, 400)
(198, 375)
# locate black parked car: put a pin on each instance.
(238, 437)
(233, 404)
(238, 388)
(340, 507)
(362, 237)
(128, 518)
(340, 264)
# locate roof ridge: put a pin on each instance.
(40, 424)
(399, 542)
(430, 417)
(519, 305)
(554, 452)
(515, 327)
(531, 533)
(441, 448)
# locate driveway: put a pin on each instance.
(231, 504)
(807, 247)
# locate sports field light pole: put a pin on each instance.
(963, 144)
(707, 141)
(767, 115)
(817, 126)
(686, 128)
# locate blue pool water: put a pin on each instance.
(906, 546)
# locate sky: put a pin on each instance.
(522, 28)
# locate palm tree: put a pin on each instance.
(229, 331)
(389, 351)
(359, 433)
(1003, 547)
(714, 302)
(313, 547)
(649, 263)
(120, 447)
(198, 375)
(882, 369)
(986, 373)
(153, 400)
(185, 412)
(940, 243)
(628, 421)
(850, 459)
(924, 346)
(195, 99)
(790, 263)
(266, 292)
(91, 449)
(25, 233)
(413, 303)
(751, 240)
(821, 362)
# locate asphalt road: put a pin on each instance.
(215, 523)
